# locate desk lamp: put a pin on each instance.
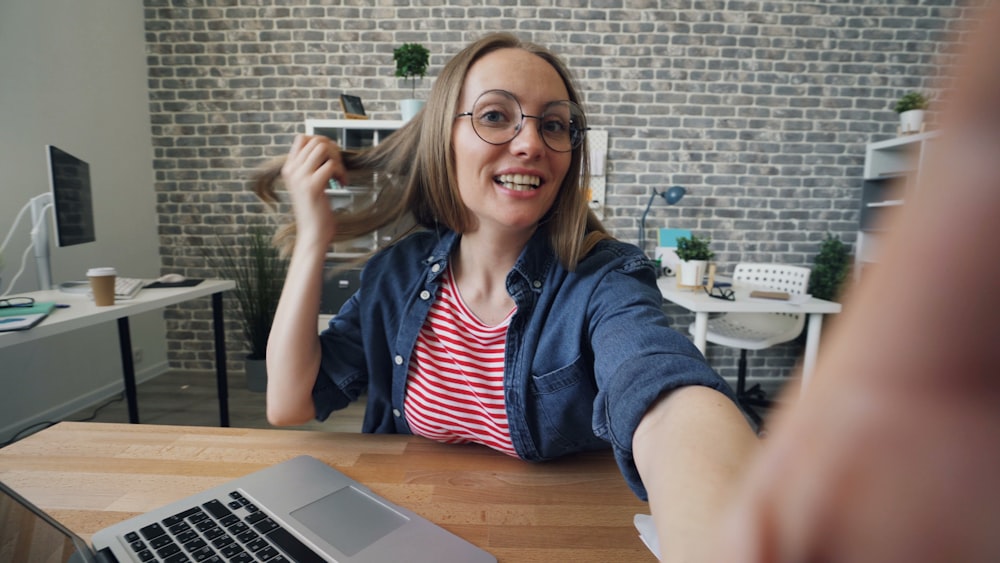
(670, 195)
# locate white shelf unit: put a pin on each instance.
(352, 134)
(349, 134)
(891, 173)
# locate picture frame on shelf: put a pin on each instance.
(352, 106)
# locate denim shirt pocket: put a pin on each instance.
(564, 404)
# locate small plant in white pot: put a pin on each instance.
(694, 254)
(911, 108)
(411, 63)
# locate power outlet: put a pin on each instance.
(137, 355)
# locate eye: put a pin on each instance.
(493, 117)
(554, 125)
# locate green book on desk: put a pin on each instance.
(23, 318)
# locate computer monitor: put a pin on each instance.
(70, 197)
(73, 208)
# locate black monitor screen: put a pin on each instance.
(69, 178)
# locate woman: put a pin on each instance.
(511, 319)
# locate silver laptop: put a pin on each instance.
(300, 510)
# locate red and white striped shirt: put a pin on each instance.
(454, 386)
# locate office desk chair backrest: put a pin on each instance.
(775, 277)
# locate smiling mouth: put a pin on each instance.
(518, 182)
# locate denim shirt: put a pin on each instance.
(587, 352)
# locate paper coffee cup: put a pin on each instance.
(102, 285)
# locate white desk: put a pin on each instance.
(699, 303)
(82, 313)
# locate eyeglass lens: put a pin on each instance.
(497, 118)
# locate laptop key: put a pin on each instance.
(230, 551)
(180, 516)
(152, 531)
(291, 545)
(265, 525)
(168, 550)
(160, 541)
(216, 508)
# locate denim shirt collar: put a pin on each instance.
(533, 266)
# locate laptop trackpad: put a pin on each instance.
(349, 519)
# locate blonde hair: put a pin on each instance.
(413, 171)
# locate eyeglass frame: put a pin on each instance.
(520, 126)
(725, 293)
(7, 302)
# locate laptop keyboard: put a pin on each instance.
(228, 529)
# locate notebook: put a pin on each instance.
(23, 318)
(299, 510)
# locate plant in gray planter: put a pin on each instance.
(411, 63)
(258, 269)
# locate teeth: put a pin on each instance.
(519, 182)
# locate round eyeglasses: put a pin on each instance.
(497, 118)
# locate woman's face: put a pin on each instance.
(509, 187)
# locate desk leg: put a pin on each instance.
(700, 331)
(812, 346)
(128, 369)
(220, 359)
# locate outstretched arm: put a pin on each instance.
(691, 448)
(293, 352)
(892, 453)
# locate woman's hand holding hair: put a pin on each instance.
(311, 163)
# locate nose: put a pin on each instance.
(528, 140)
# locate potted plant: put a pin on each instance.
(911, 109)
(411, 63)
(830, 269)
(694, 254)
(258, 269)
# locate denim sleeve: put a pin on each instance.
(637, 359)
(342, 376)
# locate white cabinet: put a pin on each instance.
(892, 168)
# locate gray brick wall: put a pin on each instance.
(761, 109)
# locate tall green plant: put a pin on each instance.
(259, 273)
(411, 62)
(830, 269)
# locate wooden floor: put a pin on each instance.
(190, 399)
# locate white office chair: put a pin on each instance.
(756, 331)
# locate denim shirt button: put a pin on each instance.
(425, 295)
(396, 413)
(398, 359)
(436, 268)
(537, 284)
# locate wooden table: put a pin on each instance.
(91, 475)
